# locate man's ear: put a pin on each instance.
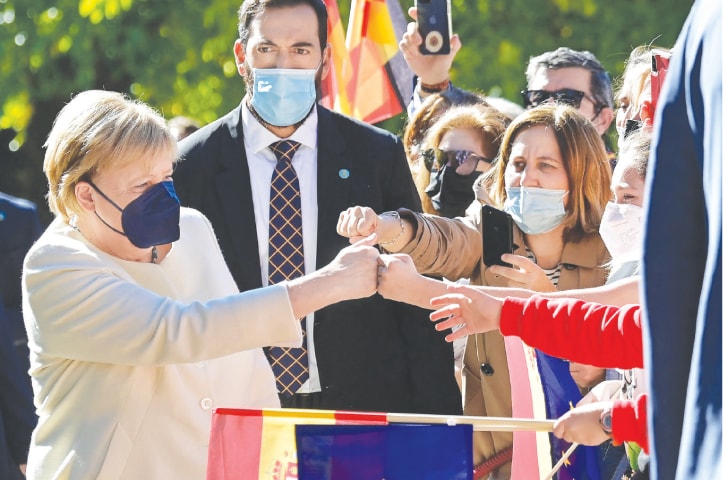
(603, 120)
(240, 54)
(325, 61)
(84, 195)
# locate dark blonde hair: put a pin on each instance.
(487, 121)
(431, 109)
(637, 73)
(97, 130)
(635, 150)
(584, 158)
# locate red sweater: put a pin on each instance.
(589, 333)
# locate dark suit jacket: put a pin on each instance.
(19, 228)
(682, 261)
(17, 414)
(372, 354)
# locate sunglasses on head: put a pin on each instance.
(463, 162)
(565, 96)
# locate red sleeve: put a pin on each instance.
(630, 421)
(584, 332)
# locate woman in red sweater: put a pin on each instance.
(585, 332)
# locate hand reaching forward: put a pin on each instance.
(474, 311)
(356, 223)
(397, 278)
(582, 424)
(527, 275)
(354, 269)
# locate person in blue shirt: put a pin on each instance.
(682, 257)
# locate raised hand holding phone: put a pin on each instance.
(434, 24)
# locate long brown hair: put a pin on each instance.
(584, 158)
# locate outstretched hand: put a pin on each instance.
(467, 308)
(355, 268)
(397, 277)
(357, 223)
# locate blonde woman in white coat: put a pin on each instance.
(137, 330)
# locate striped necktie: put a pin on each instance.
(286, 259)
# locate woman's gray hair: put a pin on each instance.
(601, 87)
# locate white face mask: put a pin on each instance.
(621, 228)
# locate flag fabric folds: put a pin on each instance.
(261, 444)
(543, 388)
(368, 78)
(394, 451)
(561, 394)
(332, 86)
(381, 82)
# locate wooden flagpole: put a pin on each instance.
(561, 462)
(484, 424)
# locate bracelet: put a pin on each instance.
(401, 227)
(434, 88)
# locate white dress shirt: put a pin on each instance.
(261, 162)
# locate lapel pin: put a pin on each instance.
(344, 173)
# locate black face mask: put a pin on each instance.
(450, 192)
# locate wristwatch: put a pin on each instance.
(606, 422)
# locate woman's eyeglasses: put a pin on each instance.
(463, 162)
(565, 96)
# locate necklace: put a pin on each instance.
(154, 254)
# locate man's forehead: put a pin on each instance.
(551, 79)
(295, 24)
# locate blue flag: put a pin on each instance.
(560, 393)
(394, 451)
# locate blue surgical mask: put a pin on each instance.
(152, 218)
(283, 96)
(535, 210)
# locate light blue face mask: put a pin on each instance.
(535, 210)
(283, 96)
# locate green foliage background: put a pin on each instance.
(177, 56)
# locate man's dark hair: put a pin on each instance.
(250, 9)
(601, 87)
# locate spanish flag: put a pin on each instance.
(261, 444)
(332, 87)
(273, 444)
(381, 82)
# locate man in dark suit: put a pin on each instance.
(17, 414)
(19, 228)
(369, 354)
(682, 261)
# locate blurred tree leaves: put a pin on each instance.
(177, 56)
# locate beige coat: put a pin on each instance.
(129, 359)
(452, 248)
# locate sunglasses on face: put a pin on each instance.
(463, 162)
(565, 96)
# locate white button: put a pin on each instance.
(206, 403)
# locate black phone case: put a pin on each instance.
(434, 25)
(496, 235)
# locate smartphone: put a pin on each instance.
(658, 70)
(496, 235)
(434, 24)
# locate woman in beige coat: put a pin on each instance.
(136, 328)
(553, 177)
